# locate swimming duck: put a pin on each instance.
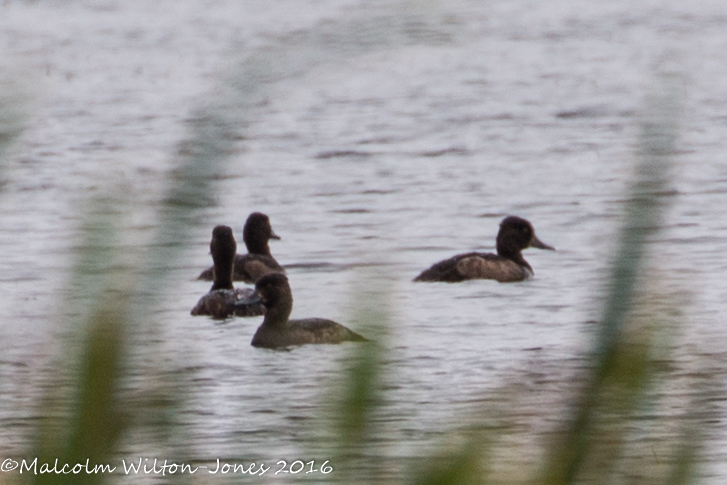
(506, 266)
(278, 331)
(220, 301)
(249, 267)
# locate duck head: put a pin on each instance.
(257, 232)
(223, 248)
(517, 234)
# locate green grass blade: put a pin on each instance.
(617, 363)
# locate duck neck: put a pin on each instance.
(505, 251)
(223, 271)
(277, 315)
(258, 247)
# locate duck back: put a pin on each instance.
(476, 266)
(221, 304)
(305, 331)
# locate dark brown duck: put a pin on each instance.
(221, 300)
(278, 331)
(506, 266)
(258, 261)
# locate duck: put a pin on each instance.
(258, 261)
(219, 302)
(507, 266)
(278, 331)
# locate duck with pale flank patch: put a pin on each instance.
(221, 300)
(278, 331)
(508, 265)
(258, 261)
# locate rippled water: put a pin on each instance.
(379, 140)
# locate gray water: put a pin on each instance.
(379, 139)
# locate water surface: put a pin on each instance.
(379, 140)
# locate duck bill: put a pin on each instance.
(537, 243)
(274, 236)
